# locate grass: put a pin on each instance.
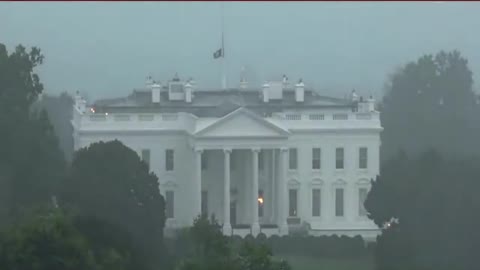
(318, 263)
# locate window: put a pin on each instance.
(146, 156)
(316, 202)
(204, 203)
(292, 156)
(170, 199)
(339, 158)
(362, 196)
(292, 203)
(260, 160)
(316, 153)
(169, 157)
(339, 202)
(204, 161)
(261, 201)
(363, 157)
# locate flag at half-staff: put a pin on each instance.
(218, 53)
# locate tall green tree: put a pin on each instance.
(49, 238)
(45, 241)
(435, 202)
(31, 164)
(429, 103)
(108, 181)
(209, 249)
(59, 109)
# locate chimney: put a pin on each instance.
(243, 83)
(300, 91)
(80, 102)
(156, 92)
(188, 92)
(149, 81)
(371, 104)
(265, 89)
(285, 81)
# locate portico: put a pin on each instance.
(258, 136)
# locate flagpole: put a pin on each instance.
(224, 73)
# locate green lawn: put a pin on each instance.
(317, 263)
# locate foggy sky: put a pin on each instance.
(107, 49)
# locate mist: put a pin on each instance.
(107, 49)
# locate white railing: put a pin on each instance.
(295, 116)
(316, 116)
(340, 116)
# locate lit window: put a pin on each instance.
(316, 153)
(292, 159)
(170, 199)
(316, 202)
(261, 201)
(169, 160)
(339, 158)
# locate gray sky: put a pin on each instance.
(107, 49)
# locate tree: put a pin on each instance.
(59, 109)
(212, 250)
(435, 202)
(47, 241)
(108, 181)
(430, 103)
(31, 164)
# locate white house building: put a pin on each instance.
(269, 159)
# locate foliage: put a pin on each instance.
(48, 241)
(213, 250)
(32, 164)
(435, 201)
(429, 103)
(59, 109)
(108, 181)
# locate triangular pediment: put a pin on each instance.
(242, 123)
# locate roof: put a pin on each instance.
(216, 103)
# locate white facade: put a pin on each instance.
(244, 156)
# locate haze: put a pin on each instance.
(107, 49)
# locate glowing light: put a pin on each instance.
(106, 113)
(92, 110)
(260, 200)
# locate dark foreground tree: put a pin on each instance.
(45, 241)
(31, 162)
(429, 103)
(209, 249)
(108, 181)
(59, 109)
(436, 204)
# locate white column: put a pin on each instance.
(255, 224)
(273, 171)
(197, 185)
(282, 196)
(227, 227)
